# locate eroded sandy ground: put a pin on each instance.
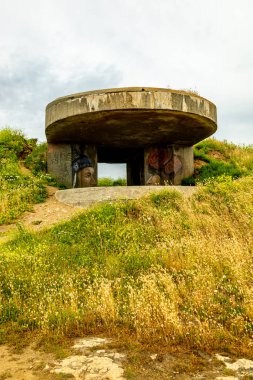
(22, 366)
(43, 215)
(96, 358)
(48, 213)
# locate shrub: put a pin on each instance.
(106, 181)
(36, 161)
(17, 191)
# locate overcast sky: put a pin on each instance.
(51, 48)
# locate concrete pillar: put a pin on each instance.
(167, 165)
(84, 163)
(59, 163)
(186, 157)
(73, 165)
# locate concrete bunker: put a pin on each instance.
(152, 130)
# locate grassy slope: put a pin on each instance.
(214, 158)
(164, 268)
(18, 191)
(19, 188)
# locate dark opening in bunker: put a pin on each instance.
(133, 158)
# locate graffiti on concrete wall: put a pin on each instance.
(162, 165)
(59, 158)
(83, 170)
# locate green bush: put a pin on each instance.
(17, 190)
(36, 161)
(14, 145)
(107, 181)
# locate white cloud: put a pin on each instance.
(52, 48)
(27, 85)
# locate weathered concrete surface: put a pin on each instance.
(59, 163)
(130, 117)
(167, 165)
(85, 197)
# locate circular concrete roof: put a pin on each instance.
(130, 117)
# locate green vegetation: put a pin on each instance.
(215, 158)
(21, 188)
(18, 189)
(164, 269)
(36, 161)
(107, 181)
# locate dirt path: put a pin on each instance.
(48, 213)
(99, 358)
(43, 215)
(22, 366)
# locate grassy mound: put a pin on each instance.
(213, 158)
(164, 268)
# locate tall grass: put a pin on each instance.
(165, 268)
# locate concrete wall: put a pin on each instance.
(60, 159)
(167, 165)
(185, 155)
(59, 163)
(159, 165)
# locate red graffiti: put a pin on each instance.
(158, 158)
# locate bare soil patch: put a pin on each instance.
(41, 216)
(217, 155)
(96, 358)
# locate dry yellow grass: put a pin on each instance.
(164, 268)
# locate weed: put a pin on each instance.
(5, 375)
(60, 347)
(228, 372)
(130, 372)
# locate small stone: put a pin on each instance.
(90, 342)
(222, 358)
(153, 356)
(119, 356)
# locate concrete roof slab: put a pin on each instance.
(126, 117)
